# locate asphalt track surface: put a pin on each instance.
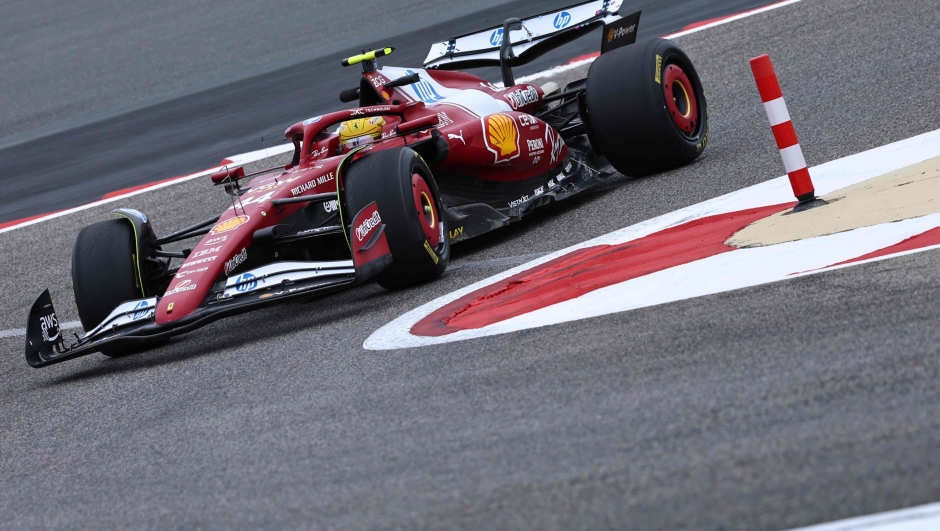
(68, 164)
(766, 408)
(69, 60)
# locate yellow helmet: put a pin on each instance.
(360, 127)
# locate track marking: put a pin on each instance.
(15, 332)
(237, 160)
(695, 28)
(513, 300)
(921, 518)
(497, 262)
(554, 71)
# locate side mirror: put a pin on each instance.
(417, 125)
(228, 174)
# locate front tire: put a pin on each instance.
(646, 107)
(401, 184)
(104, 272)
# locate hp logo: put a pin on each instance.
(246, 282)
(562, 19)
(496, 38)
(425, 91)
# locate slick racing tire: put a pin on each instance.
(646, 107)
(401, 184)
(104, 273)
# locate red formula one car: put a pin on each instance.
(429, 157)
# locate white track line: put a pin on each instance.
(14, 332)
(922, 518)
(236, 160)
(261, 154)
(746, 14)
(496, 262)
(552, 71)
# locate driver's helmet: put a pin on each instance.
(360, 130)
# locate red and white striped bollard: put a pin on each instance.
(784, 133)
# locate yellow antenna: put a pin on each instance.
(368, 56)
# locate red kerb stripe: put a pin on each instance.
(24, 220)
(926, 239)
(137, 188)
(584, 57)
(707, 22)
(726, 17)
(589, 269)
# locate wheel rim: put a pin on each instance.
(426, 208)
(681, 100)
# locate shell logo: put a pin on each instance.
(502, 137)
(610, 35)
(264, 188)
(230, 224)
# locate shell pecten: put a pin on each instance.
(502, 133)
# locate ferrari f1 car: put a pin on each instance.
(430, 157)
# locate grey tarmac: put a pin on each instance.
(766, 408)
(174, 118)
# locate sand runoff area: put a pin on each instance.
(906, 193)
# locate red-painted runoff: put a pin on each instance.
(926, 239)
(589, 269)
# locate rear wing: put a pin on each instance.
(528, 38)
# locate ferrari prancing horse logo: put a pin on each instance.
(502, 136)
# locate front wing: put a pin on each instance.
(134, 322)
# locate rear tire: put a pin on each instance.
(397, 180)
(646, 107)
(104, 272)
